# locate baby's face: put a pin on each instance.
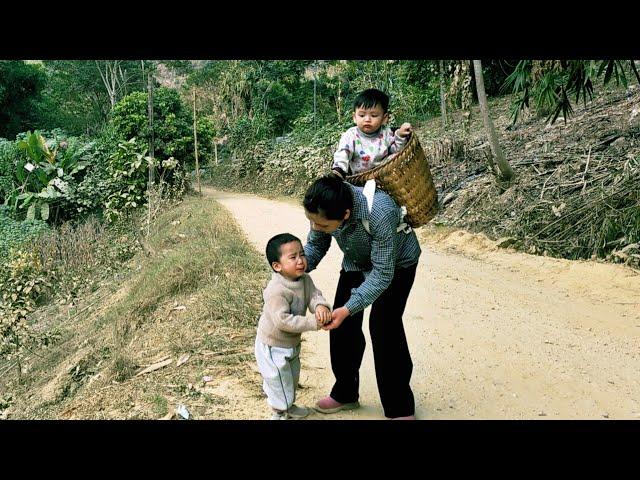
(293, 262)
(369, 120)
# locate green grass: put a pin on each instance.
(160, 405)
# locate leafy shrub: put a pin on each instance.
(172, 121)
(23, 286)
(9, 154)
(13, 233)
(42, 173)
(128, 167)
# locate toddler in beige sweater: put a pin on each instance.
(287, 296)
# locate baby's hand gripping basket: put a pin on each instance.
(407, 178)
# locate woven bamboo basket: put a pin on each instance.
(407, 178)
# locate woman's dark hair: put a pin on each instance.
(274, 244)
(370, 98)
(329, 196)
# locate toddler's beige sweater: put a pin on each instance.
(283, 316)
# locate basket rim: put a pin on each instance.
(412, 139)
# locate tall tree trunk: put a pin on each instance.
(195, 140)
(315, 81)
(150, 120)
(506, 173)
(112, 78)
(443, 105)
(635, 69)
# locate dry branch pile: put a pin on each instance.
(577, 191)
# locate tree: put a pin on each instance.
(505, 171)
(150, 81)
(172, 125)
(76, 97)
(115, 78)
(549, 84)
(443, 105)
(21, 86)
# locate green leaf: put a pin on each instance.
(27, 200)
(20, 172)
(79, 166)
(621, 77)
(49, 192)
(35, 149)
(31, 213)
(42, 176)
(44, 211)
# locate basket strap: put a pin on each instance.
(368, 191)
(404, 226)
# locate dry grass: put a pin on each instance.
(195, 292)
(77, 257)
(575, 194)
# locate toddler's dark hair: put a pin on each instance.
(274, 244)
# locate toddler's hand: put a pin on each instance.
(323, 315)
(320, 325)
(405, 130)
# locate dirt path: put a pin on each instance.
(493, 334)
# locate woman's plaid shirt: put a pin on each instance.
(377, 254)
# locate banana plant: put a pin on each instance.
(43, 174)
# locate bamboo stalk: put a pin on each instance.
(584, 183)
(195, 141)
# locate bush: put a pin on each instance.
(287, 164)
(14, 234)
(39, 174)
(172, 121)
(23, 286)
(128, 167)
(9, 154)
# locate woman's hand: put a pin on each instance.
(337, 317)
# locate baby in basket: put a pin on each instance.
(371, 141)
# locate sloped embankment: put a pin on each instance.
(577, 185)
(177, 331)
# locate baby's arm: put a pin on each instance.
(343, 155)
(404, 130)
(400, 138)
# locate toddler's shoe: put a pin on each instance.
(329, 405)
(279, 415)
(295, 411)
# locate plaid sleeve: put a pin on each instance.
(316, 248)
(383, 223)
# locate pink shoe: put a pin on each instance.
(408, 417)
(329, 405)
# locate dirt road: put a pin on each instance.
(493, 334)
